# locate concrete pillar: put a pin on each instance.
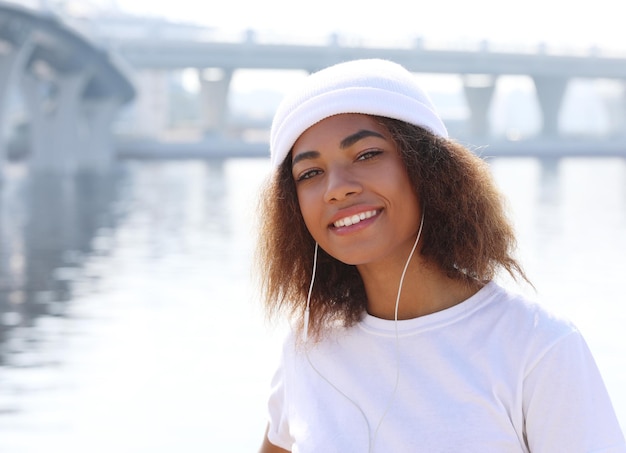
(478, 94)
(71, 129)
(35, 94)
(614, 100)
(56, 122)
(622, 126)
(12, 62)
(6, 71)
(214, 86)
(550, 91)
(150, 111)
(99, 150)
(7, 65)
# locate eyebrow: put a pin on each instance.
(303, 156)
(360, 135)
(345, 143)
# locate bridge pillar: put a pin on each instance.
(618, 115)
(98, 148)
(478, 94)
(11, 63)
(620, 128)
(214, 86)
(615, 104)
(550, 91)
(58, 130)
(34, 92)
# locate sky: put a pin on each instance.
(575, 23)
(569, 26)
(563, 25)
(572, 22)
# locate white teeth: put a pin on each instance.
(347, 221)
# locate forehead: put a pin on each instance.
(334, 129)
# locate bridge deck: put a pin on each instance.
(223, 149)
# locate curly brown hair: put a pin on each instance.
(466, 232)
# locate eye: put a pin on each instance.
(369, 154)
(308, 174)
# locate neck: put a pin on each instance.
(425, 289)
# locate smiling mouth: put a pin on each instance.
(353, 219)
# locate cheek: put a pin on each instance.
(308, 211)
(305, 208)
(404, 192)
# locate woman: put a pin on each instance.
(381, 239)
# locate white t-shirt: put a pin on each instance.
(495, 373)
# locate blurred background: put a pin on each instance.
(133, 146)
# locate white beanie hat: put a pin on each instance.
(372, 87)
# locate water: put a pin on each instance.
(128, 315)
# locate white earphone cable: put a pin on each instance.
(371, 436)
(395, 388)
(307, 310)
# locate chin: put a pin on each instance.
(354, 259)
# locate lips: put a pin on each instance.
(355, 218)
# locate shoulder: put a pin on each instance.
(527, 312)
(525, 321)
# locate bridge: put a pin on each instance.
(550, 72)
(71, 90)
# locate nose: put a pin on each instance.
(340, 184)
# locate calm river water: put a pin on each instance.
(128, 315)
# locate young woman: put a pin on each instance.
(381, 239)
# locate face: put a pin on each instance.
(354, 191)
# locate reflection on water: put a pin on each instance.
(49, 226)
(128, 320)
